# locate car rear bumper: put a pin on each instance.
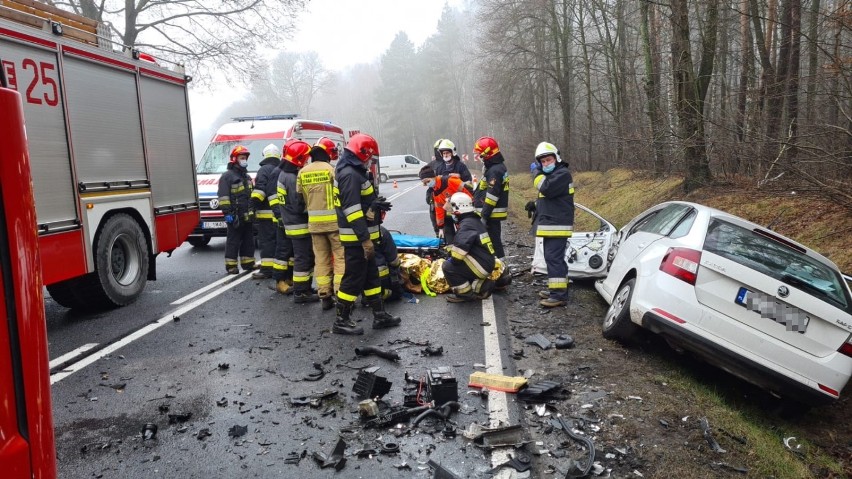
(733, 362)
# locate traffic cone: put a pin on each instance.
(395, 185)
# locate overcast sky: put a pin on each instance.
(344, 33)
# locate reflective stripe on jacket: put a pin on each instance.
(290, 204)
(492, 192)
(354, 193)
(315, 183)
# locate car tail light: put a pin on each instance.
(846, 348)
(682, 263)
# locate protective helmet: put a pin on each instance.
(364, 146)
(486, 147)
(237, 151)
(297, 152)
(271, 151)
(446, 145)
(326, 144)
(544, 149)
(461, 203)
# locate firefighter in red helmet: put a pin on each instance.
(293, 215)
(235, 188)
(491, 197)
(359, 211)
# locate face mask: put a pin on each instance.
(431, 183)
(448, 158)
(243, 163)
(549, 168)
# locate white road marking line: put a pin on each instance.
(404, 191)
(203, 290)
(72, 354)
(498, 404)
(168, 318)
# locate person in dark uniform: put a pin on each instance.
(491, 197)
(266, 227)
(235, 189)
(471, 254)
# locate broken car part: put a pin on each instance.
(520, 462)
(394, 416)
(542, 391)
(373, 350)
(564, 341)
(497, 382)
(431, 351)
(539, 340)
(708, 435)
(368, 408)
(440, 472)
(442, 385)
(488, 438)
(443, 412)
(335, 459)
(368, 385)
(149, 431)
(576, 470)
(179, 417)
(237, 431)
(317, 375)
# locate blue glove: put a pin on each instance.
(533, 166)
(229, 219)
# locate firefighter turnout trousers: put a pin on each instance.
(557, 269)
(495, 232)
(266, 239)
(240, 240)
(303, 264)
(283, 263)
(328, 259)
(461, 278)
(360, 276)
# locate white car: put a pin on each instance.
(742, 297)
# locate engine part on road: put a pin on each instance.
(575, 470)
(373, 350)
(441, 385)
(497, 382)
(368, 385)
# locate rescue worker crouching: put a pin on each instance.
(471, 254)
(554, 219)
(358, 216)
(235, 189)
(491, 197)
(443, 187)
(315, 183)
(294, 216)
(266, 223)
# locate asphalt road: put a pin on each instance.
(236, 354)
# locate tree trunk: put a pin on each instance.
(813, 57)
(745, 80)
(652, 91)
(795, 7)
(587, 70)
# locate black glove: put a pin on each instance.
(381, 204)
(530, 208)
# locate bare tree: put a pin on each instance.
(205, 35)
(293, 81)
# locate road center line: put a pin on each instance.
(71, 354)
(498, 404)
(168, 318)
(404, 191)
(203, 290)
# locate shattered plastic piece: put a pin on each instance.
(402, 466)
(203, 433)
(431, 351)
(368, 385)
(179, 417)
(597, 469)
(520, 462)
(635, 398)
(542, 391)
(394, 416)
(792, 445)
(224, 366)
(375, 351)
(317, 375)
(237, 431)
(335, 459)
(664, 423)
(294, 457)
(314, 400)
(539, 340)
(708, 435)
(564, 341)
(149, 431)
(541, 410)
(222, 402)
(489, 438)
(440, 472)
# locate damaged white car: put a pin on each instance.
(588, 248)
(744, 298)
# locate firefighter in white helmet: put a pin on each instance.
(266, 227)
(471, 254)
(554, 219)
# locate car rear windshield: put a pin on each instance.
(215, 159)
(778, 261)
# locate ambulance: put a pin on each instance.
(254, 132)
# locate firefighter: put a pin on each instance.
(235, 189)
(443, 187)
(471, 254)
(446, 162)
(387, 260)
(491, 197)
(294, 216)
(315, 183)
(266, 227)
(358, 216)
(283, 263)
(554, 219)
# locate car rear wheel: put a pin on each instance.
(383, 178)
(617, 324)
(198, 241)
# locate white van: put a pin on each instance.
(254, 133)
(399, 166)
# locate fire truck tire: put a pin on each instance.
(121, 262)
(198, 241)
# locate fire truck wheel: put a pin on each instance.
(198, 241)
(121, 260)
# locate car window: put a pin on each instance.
(217, 155)
(685, 224)
(777, 260)
(666, 219)
(412, 160)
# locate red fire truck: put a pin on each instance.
(26, 424)
(110, 150)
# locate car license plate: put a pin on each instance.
(790, 317)
(209, 225)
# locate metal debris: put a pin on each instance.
(520, 462)
(179, 417)
(489, 438)
(335, 459)
(314, 400)
(432, 351)
(708, 435)
(440, 472)
(538, 340)
(294, 457)
(237, 431)
(149, 431)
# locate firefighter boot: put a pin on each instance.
(305, 296)
(381, 318)
(343, 323)
(284, 286)
(232, 269)
(327, 302)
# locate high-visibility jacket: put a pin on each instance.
(315, 183)
(291, 206)
(268, 173)
(234, 192)
(472, 246)
(492, 193)
(354, 194)
(555, 203)
(445, 187)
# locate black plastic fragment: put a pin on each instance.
(539, 340)
(541, 391)
(432, 351)
(237, 431)
(203, 433)
(373, 350)
(564, 341)
(335, 459)
(317, 375)
(440, 472)
(369, 385)
(149, 431)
